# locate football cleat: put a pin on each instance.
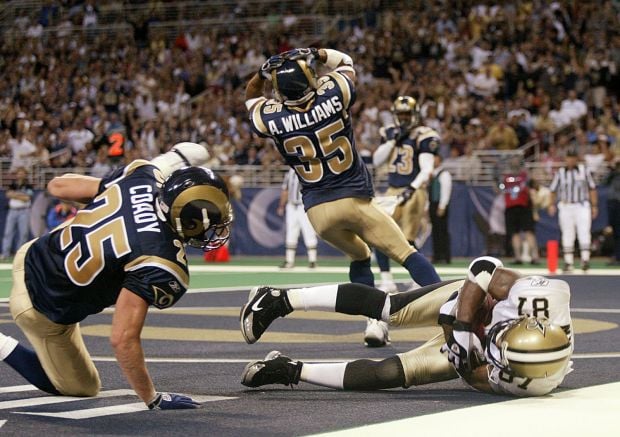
(376, 334)
(286, 265)
(388, 286)
(585, 266)
(274, 369)
(567, 268)
(312, 265)
(265, 304)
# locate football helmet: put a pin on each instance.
(294, 82)
(196, 204)
(406, 112)
(531, 347)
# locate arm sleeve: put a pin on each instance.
(256, 118)
(157, 286)
(427, 162)
(445, 182)
(383, 152)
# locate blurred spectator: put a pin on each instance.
(613, 208)
(502, 136)
(60, 213)
(16, 227)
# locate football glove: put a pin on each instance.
(172, 401)
(307, 55)
(464, 348)
(401, 136)
(404, 197)
(270, 64)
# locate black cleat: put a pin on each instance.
(585, 266)
(274, 369)
(567, 268)
(312, 265)
(265, 304)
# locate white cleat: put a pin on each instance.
(376, 334)
(388, 287)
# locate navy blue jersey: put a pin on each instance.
(116, 241)
(318, 141)
(403, 163)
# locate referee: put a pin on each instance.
(296, 221)
(578, 205)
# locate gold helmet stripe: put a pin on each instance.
(539, 357)
(162, 263)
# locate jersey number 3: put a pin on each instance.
(83, 271)
(339, 147)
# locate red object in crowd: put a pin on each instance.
(552, 255)
(516, 192)
(220, 255)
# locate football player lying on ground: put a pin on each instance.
(133, 230)
(502, 333)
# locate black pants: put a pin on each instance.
(440, 234)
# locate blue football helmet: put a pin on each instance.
(294, 82)
(196, 204)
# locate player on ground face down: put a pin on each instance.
(310, 123)
(125, 248)
(502, 333)
(409, 149)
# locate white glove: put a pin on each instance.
(464, 350)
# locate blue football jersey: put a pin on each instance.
(403, 163)
(318, 141)
(116, 241)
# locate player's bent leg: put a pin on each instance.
(374, 375)
(426, 364)
(421, 307)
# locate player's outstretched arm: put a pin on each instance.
(127, 324)
(74, 187)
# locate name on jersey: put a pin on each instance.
(296, 122)
(142, 201)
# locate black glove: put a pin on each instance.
(401, 136)
(405, 195)
(307, 55)
(172, 401)
(270, 64)
(464, 348)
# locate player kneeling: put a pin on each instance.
(502, 333)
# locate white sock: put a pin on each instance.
(585, 255)
(569, 258)
(7, 345)
(324, 374)
(387, 277)
(322, 297)
(385, 313)
(312, 255)
(290, 256)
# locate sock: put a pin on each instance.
(585, 255)
(26, 363)
(420, 269)
(360, 272)
(383, 261)
(313, 298)
(312, 255)
(290, 256)
(360, 299)
(324, 374)
(569, 258)
(387, 277)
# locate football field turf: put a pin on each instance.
(196, 348)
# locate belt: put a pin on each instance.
(18, 209)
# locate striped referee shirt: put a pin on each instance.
(573, 185)
(292, 185)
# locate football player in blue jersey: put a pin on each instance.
(309, 120)
(124, 248)
(409, 149)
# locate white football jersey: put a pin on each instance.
(539, 297)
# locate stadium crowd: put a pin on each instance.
(489, 77)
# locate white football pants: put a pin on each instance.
(296, 222)
(575, 218)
